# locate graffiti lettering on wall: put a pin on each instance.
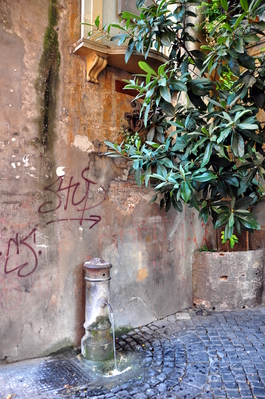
(19, 244)
(72, 191)
(63, 195)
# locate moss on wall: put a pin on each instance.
(47, 81)
(59, 347)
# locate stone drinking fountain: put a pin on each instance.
(97, 343)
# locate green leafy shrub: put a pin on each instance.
(207, 150)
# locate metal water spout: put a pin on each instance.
(104, 303)
(97, 343)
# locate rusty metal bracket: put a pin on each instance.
(135, 121)
(103, 149)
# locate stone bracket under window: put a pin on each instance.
(94, 65)
(98, 56)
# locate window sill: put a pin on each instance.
(98, 56)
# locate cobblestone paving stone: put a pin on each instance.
(183, 356)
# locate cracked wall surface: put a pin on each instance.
(63, 204)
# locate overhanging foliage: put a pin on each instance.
(204, 142)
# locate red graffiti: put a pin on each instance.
(71, 190)
(22, 248)
(22, 269)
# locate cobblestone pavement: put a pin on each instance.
(187, 355)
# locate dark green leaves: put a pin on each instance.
(239, 45)
(251, 38)
(204, 176)
(139, 3)
(247, 219)
(224, 4)
(237, 144)
(201, 143)
(246, 61)
(185, 191)
(244, 4)
(234, 66)
(207, 154)
(165, 93)
(167, 107)
(204, 213)
(129, 51)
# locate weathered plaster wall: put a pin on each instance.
(62, 203)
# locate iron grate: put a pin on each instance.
(35, 378)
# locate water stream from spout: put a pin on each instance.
(106, 303)
(113, 334)
(115, 371)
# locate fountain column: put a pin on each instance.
(97, 343)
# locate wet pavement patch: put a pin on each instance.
(64, 375)
(33, 378)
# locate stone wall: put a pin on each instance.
(62, 203)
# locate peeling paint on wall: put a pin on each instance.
(142, 274)
(60, 171)
(25, 160)
(127, 195)
(83, 143)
